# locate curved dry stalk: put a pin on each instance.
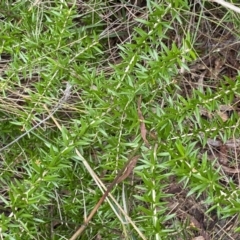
(123, 174)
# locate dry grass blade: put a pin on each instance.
(227, 5)
(143, 129)
(128, 170)
(65, 97)
(106, 194)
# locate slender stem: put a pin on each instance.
(101, 200)
(64, 98)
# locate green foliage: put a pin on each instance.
(47, 190)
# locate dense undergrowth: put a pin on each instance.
(158, 79)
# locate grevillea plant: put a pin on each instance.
(131, 102)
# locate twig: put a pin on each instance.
(64, 98)
(113, 202)
(129, 164)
